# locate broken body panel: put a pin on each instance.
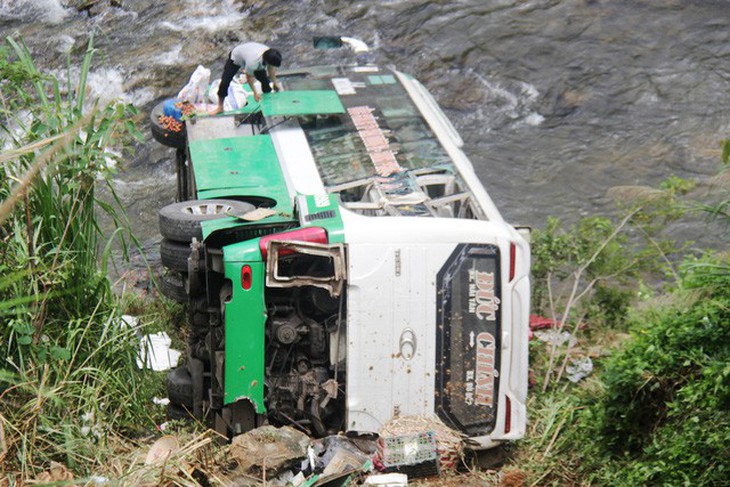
(384, 282)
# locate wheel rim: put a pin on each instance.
(206, 209)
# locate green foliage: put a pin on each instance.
(665, 412)
(657, 412)
(71, 396)
(595, 244)
(661, 412)
(16, 76)
(52, 239)
(677, 186)
(610, 305)
(68, 377)
(557, 251)
(720, 210)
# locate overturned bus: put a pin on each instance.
(342, 265)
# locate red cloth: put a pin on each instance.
(538, 322)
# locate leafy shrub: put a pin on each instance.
(658, 410)
(665, 412)
(596, 244)
(611, 305)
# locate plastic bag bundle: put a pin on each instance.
(196, 89)
(236, 98)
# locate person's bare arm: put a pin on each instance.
(252, 83)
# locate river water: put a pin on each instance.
(557, 101)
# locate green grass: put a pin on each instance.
(69, 384)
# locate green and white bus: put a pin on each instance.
(343, 265)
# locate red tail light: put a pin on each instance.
(512, 255)
(246, 277)
(308, 234)
(507, 415)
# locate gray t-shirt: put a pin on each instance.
(249, 56)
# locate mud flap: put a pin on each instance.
(237, 418)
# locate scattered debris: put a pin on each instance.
(161, 450)
(57, 474)
(415, 454)
(449, 444)
(341, 455)
(344, 462)
(365, 441)
(342, 479)
(164, 401)
(176, 459)
(155, 352)
(413, 447)
(554, 337)
(89, 425)
(257, 214)
(538, 322)
(579, 368)
(513, 478)
(269, 449)
(298, 479)
(195, 90)
(388, 480)
(129, 321)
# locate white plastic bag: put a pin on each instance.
(236, 98)
(213, 91)
(195, 90)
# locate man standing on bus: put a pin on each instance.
(258, 61)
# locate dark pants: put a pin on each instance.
(230, 70)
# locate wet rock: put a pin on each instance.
(565, 102)
(92, 7)
(269, 449)
(79, 4)
(463, 92)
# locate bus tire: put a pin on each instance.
(169, 138)
(182, 221)
(172, 286)
(485, 459)
(194, 284)
(174, 255)
(180, 387)
(176, 412)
